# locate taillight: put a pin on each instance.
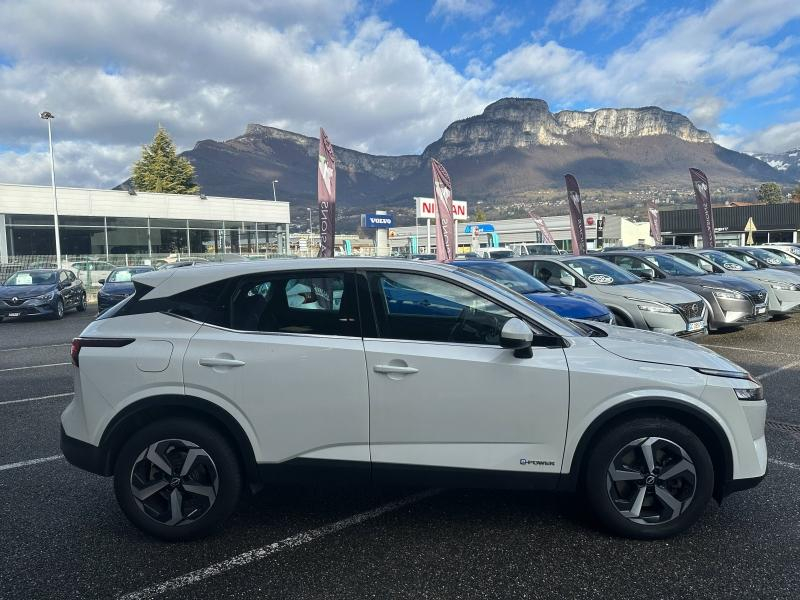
(82, 342)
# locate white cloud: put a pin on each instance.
(774, 140)
(579, 14)
(470, 9)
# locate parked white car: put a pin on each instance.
(496, 252)
(397, 371)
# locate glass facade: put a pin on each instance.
(28, 235)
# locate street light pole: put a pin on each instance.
(274, 195)
(47, 116)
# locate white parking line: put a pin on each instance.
(763, 376)
(749, 349)
(37, 398)
(265, 551)
(35, 367)
(783, 463)
(26, 463)
(34, 347)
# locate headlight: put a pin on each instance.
(722, 373)
(784, 285)
(751, 394)
(723, 293)
(47, 297)
(650, 306)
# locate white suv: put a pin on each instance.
(213, 378)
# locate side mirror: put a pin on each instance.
(706, 267)
(101, 281)
(568, 281)
(647, 274)
(517, 336)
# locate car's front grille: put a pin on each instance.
(758, 297)
(691, 311)
(14, 301)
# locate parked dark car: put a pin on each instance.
(761, 258)
(565, 304)
(730, 300)
(117, 286)
(46, 292)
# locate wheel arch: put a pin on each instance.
(149, 410)
(701, 424)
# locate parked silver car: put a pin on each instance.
(783, 287)
(729, 300)
(636, 303)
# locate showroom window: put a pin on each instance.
(422, 308)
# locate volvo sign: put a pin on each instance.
(376, 221)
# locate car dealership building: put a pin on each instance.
(772, 222)
(106, 223)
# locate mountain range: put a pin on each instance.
(787, 162)
(516, 146)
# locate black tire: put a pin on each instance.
(81, 307)
(621, 320)
(219, 459)
(59, 313)
(618, 447)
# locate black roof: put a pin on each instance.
(734, 218)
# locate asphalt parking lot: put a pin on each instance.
(62, 535)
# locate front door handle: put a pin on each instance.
(221, 362)
(394, 369)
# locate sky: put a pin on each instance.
(381, 76)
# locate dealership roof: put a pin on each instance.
(38, 199)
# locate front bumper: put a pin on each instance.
(731, 311)
(673, 324)
(84, 456)
(27, 310)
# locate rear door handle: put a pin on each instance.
(394, 369)
(221, 362)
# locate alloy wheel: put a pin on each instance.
(174, 482)
(651, 481)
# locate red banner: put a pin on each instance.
(705, 214)
(655, 222)
(547, 237)
(577, 226)
(326, 195)
(445, 224)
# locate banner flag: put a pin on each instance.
(326, 195)
(547, 237)
(705, 214)
(577, 226)
(445, 224)
(655, 222)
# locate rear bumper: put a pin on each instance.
(84, 456)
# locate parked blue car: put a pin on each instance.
(117, 286)
(565, 304)
(41, 292)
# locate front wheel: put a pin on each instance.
(177, 479)
(649, 478)
(59, 312)
(82, 303)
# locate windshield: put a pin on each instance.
(505, 291)
(726, 261)
(125, 275)
(601, 272)
(509, 276)
(33, 278)
(771, 258)
(674, 266)
(542, 249)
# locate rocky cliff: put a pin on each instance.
(515, 146)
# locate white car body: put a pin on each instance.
(399, 409)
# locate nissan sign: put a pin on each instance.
(375, 221)
(426, 209)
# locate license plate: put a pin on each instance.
(695, 326)
(760, 310)
(14, 314)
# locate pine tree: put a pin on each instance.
(770, 193)
(160, 169)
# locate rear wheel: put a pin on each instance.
(177, 479)
(649, 478)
